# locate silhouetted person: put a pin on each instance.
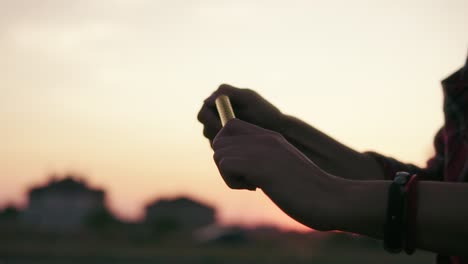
(328, 186)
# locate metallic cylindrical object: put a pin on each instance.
(224, 109)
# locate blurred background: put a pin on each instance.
(101, 155)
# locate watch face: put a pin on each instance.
(400, 180)
(401, 177)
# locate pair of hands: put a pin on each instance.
(252, 156)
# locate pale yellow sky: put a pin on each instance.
(111, 89)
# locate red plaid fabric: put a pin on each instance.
(450, 163)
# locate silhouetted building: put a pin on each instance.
(63, 205)
(179, 214)
(9, 213)
(9, 217)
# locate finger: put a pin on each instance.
(237, 127)
(233, 151)
(210, 134)
(238, 96)
(211, 122)
(208, 116)
(226, 142)
(233, 171)
(225, 89)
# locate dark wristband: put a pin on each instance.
(395, 217)
(411, 215)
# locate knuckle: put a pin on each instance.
(274, 137)
(207, 133)
(225, 88)
(279, 139)
(230, 184)
(204, 114)
(251, 94)
(248, 91)
(228, 128)
(200, 115)
(216, 157)
(233, 183)
(276, 134)
(217, 142)
(230, 90)
(270, 136)
(209, 100)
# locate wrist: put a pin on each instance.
(362, 207)
(367, 168)
(332, 204)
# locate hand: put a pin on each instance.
(249, 156)
(329, 154)
(248, 106)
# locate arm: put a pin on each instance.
(340, 160)
(362, 208)
(441, 217)
(250, 157)
(329, 154)
(361, 205)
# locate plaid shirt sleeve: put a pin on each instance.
(455, 97)
(433, 170)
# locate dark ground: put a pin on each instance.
(282, 248)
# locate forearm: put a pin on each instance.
(441, 217)
(329, 154)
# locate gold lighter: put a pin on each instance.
(223, 104)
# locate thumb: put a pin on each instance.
(237, 127)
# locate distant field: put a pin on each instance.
(224, 256)
(291, 250)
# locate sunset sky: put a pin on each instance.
(111, 89)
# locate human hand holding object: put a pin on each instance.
(249, 106)
(326, 152)
(249, 157)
